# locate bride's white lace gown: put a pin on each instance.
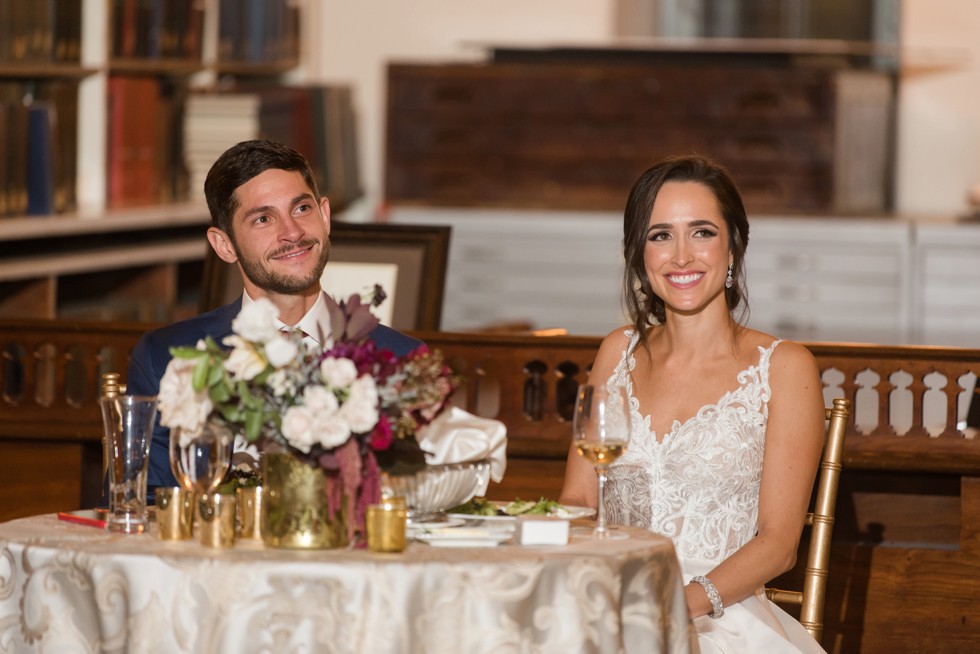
(699, 485)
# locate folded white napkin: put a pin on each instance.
(457, 436)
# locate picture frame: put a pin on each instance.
(420, 254)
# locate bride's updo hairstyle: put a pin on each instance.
(643, 306)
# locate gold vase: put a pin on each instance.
(295, 510)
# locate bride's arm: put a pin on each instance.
(794, 441)
(581, 487)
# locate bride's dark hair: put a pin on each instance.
(644, 307)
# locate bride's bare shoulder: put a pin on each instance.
(786, 353)
(613, 345)
(789, 358)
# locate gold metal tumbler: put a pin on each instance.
(175, 513)
(250, 512)
(216, 519)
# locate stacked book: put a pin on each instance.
(213, 123)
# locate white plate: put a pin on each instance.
(439, 524)
(571, 513)
(462, 537)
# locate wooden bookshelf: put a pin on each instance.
(97, 253)
(138, 264)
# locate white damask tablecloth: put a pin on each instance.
(72, 588)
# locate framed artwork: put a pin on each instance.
(409, 261)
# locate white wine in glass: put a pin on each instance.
(601, 433)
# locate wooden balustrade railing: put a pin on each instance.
(50, 377)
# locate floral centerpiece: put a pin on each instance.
(347, 408)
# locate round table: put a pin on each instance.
(69, 587)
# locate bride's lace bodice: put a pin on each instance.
(700, 484)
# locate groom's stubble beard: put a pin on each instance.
(276, 282)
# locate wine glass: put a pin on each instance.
(601, 432)
(200, 462)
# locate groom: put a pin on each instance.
(267, 217)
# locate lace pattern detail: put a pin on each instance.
(700, 484)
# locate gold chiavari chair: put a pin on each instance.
(821, 520)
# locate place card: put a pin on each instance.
(541, 530)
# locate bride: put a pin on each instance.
(728, 422)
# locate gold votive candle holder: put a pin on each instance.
(250, 512)
(216, 513)
(175, 513)
(386, 524)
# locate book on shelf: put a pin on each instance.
(35, 20)
(6, 36)
(62, 96)
(16, 155)
(157, 29)
(257, 31)
(170, 155)
(134, 140)
(15, 98)
(40, 30)
(41, 159)
(67, 39)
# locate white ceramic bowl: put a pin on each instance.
(435, 488)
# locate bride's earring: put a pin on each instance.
(728, 280)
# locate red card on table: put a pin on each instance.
(88, 517)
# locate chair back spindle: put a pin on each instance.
(812, 598)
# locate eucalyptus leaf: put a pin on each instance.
(200, 376)
(253, 425)
(216, 373)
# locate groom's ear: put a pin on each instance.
(221, 244)
(325, 212)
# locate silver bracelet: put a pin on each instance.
(717, 608)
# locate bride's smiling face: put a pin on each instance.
(687, 253)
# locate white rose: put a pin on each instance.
(319, 400)
(256, 321)
(361, 408)
(364, 389)
(244, 362)
(333, 430)
(361, 415)
(281, 351)
(179, 405)
(297, 427)
(338, 373)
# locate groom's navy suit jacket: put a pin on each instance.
(152, 354)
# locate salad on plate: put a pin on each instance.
(480, 507)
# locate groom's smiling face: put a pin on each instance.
(281, 233)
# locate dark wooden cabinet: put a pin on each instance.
(576, 134)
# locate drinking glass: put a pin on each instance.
(601, 433)
(128, 422)
(200, 462)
